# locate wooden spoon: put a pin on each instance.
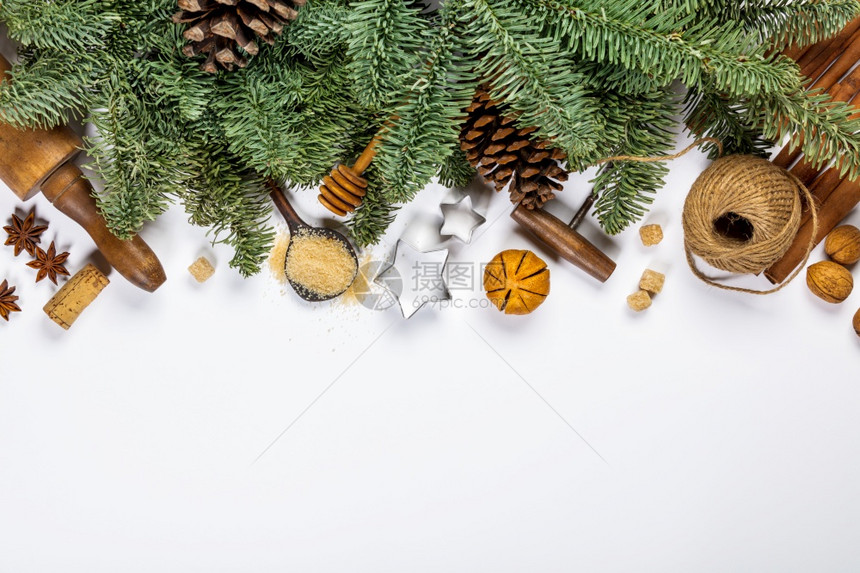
(297, 225)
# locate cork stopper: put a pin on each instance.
(66, 306)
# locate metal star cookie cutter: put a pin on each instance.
(460, 218)
(421, 275)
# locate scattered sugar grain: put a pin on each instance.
(278, 256)
(651, 235)
(652, 281)
(639, 301)
(201, 269)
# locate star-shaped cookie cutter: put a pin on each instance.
(421, 274)
(460, 218)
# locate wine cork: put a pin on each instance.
(66, 306)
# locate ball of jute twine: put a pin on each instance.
(744, 188)
(765, 198)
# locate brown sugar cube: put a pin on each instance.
(639, 301)
(652, 281)
(66, 306)
(651, 235)
(202, 269)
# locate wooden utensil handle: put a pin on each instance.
(569, 244)
(280, 201)
(364, 160)
(72, 194)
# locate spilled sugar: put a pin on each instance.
(278, 256)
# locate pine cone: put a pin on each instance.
(218, 27)
(504, 154)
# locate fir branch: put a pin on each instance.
(386, 41)
(289, 118)
(616, 79)
(658, 44)
(136, 150)
(371, 219)
(829, 130)
(233, 203)
(624, 189)
(592, 75)
(780, 23)
(710, 114)
(146, 30)
(426, 130)
(533, 78)
(68, 25)
(456, 171)
(47, 88)
(320, 28)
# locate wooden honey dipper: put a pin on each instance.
(344, 190)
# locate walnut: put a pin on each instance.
(517, 282)
(857, 322)
(829, 281)
(843, 245)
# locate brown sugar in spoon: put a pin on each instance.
(301, 230)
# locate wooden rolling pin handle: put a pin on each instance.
(569, 244)
(71, 193)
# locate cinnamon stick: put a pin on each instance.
(805, 171)
(828, 49)
(847, 60)
(844, 91)
(821, 189)
(795, 52)
(839, 203)
(835, 195)
(820, 65)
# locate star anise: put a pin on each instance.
(24, 234)
(49, 264)
(7, 301)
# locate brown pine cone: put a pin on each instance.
(504, 154)
(218, 28)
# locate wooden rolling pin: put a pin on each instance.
(565, 240)
(37, 159)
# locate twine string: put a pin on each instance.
(813, 208)
(749, 257)
(657, 158)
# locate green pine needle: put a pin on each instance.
(595, 78)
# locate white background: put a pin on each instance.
(715, 432)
